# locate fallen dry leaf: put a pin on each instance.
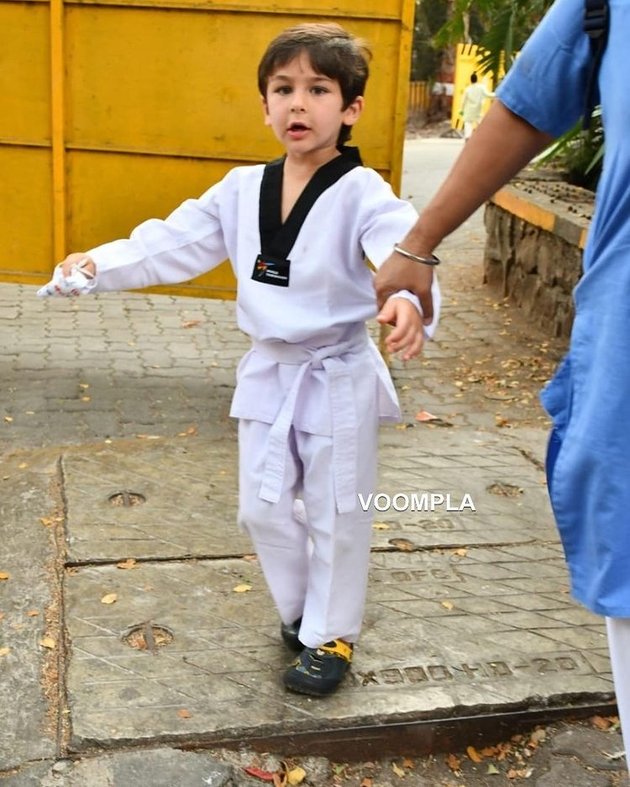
(128, 564)
(110, 598)
(380, 526)
(259, 773)
(398, 771)
(8, 419)
(296, 775)
(48, 642)
(453, 762)
(4, 651)
(599, 722)
(537, 736)
(242, 588)
(473, 754)
(183, 713)
(492, 770)
(22, 465)
(191, 323)
(32, 613)
(448, 605)
(192, 430)
(4, 575)
(367, 782)
(403, 544)
(423, 416)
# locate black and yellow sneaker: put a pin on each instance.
(319, 671)
(289, 633)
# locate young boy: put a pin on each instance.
(312, 388)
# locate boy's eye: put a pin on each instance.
(319, 90)
(283, 90)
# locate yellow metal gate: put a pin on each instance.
(114, 111)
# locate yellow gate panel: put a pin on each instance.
(135, 105)
(26, 215)
(193, 105)
(135, 188)
(24, 73)
(309, 10)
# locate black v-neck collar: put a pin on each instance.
(277, 238)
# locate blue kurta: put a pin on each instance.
(589, 397)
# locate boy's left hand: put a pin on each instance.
(407, 336)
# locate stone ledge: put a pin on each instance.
(536, 233)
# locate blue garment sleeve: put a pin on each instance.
(546, 85)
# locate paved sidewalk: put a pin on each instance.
(135, 625)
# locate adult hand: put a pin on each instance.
(398, 273)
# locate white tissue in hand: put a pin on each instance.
(77, 283)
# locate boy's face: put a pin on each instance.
(305, 109)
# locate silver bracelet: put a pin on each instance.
(432, 260)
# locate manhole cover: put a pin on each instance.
(148, 636)
(126, 499)
(505, 490)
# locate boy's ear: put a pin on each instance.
(265, 110)
(353, 111)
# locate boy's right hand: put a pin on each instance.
(82, 262)
(74, 276)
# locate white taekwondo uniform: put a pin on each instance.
(313, 387)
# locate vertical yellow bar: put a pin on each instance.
(58, 128)
(402, 91)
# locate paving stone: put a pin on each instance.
(570, 774)
(156, 767)
(586, 745)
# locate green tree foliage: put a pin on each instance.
(431, 15)
(499, 27)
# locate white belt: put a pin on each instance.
(343, 410)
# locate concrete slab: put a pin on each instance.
(461, 489)
(28, 609)
(444, 634)
(187, 495)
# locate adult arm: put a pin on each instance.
(501, 146)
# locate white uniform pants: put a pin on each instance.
(619, 645)
(316, 566)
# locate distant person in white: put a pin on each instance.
(472, 104)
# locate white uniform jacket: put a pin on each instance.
(297, 329)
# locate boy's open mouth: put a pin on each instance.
(298, 127)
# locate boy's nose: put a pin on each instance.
(297, 104)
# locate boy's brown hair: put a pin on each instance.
(333, 52)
